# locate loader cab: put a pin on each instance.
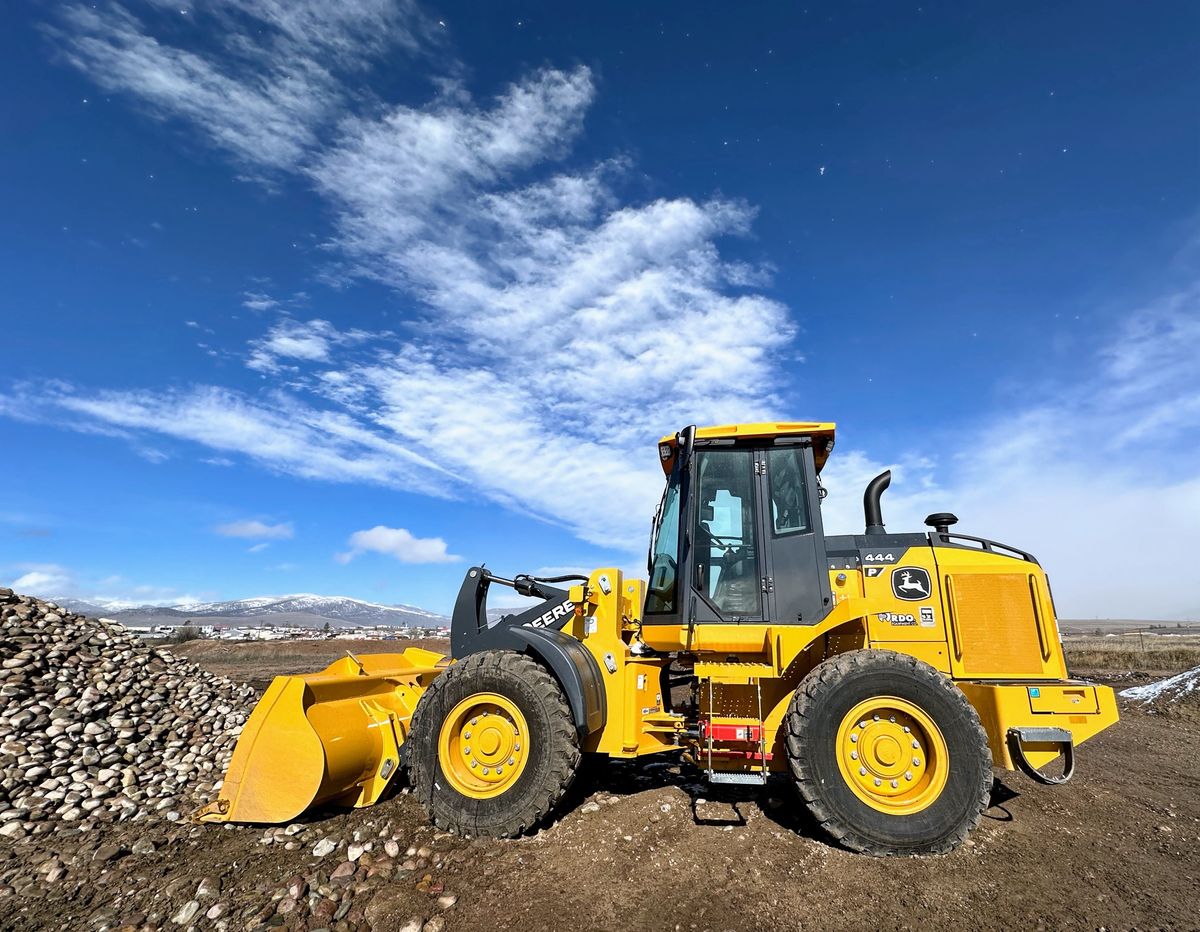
(738, 535)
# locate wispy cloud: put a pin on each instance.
(303, 341)
(399, 543)
(258, 301)
(266, 97)
(524, 284)
(253, 529)
(276, 431)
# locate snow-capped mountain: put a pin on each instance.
(284, 608)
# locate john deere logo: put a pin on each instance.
(910, 583)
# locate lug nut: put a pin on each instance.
(511, 762)
(878, 781)
(908, 775)
(474, 720)
(467, 751)
(894, 784)
(892, 719)
(915, 744)
(862, 771)
(485, 771)
(854, 755)
(875, 717)
(499, 771)
(862, 724)
(472, 763)
(854, 738)
(916, 762)
(906, 729)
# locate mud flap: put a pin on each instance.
(1018, 737)
(332, 737)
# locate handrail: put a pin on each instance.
(990, 546)
(1038, 612)
(952, 616)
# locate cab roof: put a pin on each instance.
(815, 429)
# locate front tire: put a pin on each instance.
(493, 748)
(888, 754)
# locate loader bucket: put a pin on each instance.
(324, 738)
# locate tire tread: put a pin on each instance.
(805, 705)
(554, 781)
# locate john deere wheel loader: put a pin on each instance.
(884, 673)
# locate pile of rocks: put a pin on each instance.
(96, 726)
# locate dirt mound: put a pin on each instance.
(97, 727)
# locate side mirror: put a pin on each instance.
(685, 442)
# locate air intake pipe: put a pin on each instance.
(871, 510)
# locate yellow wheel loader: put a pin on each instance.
(884, 674)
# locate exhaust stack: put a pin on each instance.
(871, 510)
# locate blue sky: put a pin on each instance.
(344, 298)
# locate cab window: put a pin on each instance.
(725, 546)
(788, 492)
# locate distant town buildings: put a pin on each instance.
(273, 632)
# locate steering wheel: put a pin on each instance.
(729, 555)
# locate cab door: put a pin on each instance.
(726, 559)
(796, 570)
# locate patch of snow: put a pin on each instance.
(1172, 688)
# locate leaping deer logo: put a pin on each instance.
(910, 585)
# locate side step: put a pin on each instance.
(716, 776)
(734, 672)
(1019, 737)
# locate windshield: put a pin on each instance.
(664, 550)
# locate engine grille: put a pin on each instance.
(997, 625)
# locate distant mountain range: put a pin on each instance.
(302, 609)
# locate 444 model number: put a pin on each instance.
(879, 558)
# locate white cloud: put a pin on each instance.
(258, 548)
(276, 431)
(256, 530)
(276, 84)
(399, 543)
(52, 581)
(303, 341)
(258, 301)
(47, 580)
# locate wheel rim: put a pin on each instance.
(892, 755)
(483, 745)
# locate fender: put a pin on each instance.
(576, 671)
(534, 632)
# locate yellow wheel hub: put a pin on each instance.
(892, 755)
(483, 745)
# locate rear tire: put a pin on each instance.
(497, 712)
(888, 754)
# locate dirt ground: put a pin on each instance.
(646, 846)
